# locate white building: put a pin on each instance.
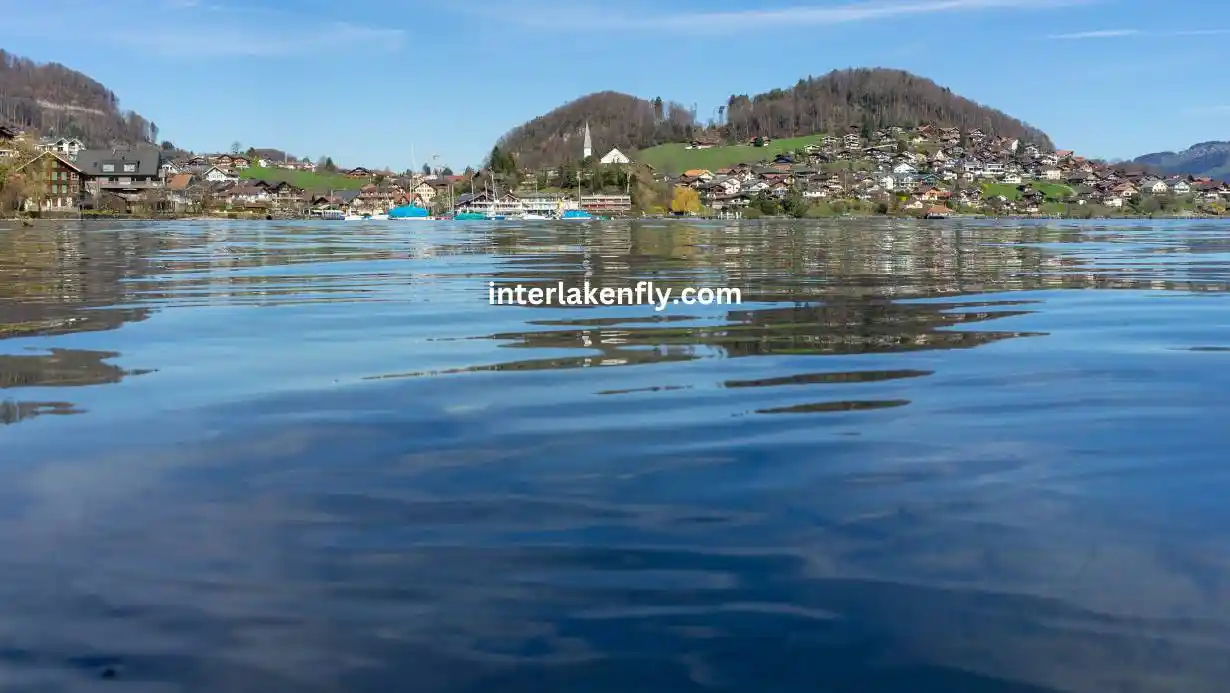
(615, 157)
(64, 146)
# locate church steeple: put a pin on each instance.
(588, 150)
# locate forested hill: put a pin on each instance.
(51, 99)
(615, 120)
(871, 99)
(863, 98)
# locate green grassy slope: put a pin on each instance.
(308, 180)
(1052, 191)
(676, 158)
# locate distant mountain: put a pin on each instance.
(51, 99)
(862, 98)
(1210, 159)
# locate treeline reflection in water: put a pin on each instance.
(919, 456)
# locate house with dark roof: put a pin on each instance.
(120, 170)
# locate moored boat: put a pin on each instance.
(409, 212)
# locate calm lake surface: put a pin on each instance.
(269, 457)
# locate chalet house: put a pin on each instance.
(1013, 179)
(357, 172)
(374, 197)
(120, 170)
(56, 182)
(726, 185)
(245, 194)
(231, 161)
(424, 192)
(1078, 178)
(705, 141)
(852, 140)
(286, 195)
(1157, 187)
(213, 174)
(699, 174)
(169, 169)
(1181, 188)
(68, 147)
(1052, 173)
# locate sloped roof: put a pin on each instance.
(76, 167)
(147, 160)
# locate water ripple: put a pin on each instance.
(959, 456)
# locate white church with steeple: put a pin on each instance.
(612, 157)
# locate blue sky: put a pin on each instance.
(394, 82)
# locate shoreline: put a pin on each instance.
(31, 221)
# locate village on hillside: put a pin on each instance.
(926, 170)
(941, 170)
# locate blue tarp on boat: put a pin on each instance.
(408, 212)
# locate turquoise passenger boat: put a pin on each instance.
(409, 212)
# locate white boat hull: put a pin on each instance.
(368, 217)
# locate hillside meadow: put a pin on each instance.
(676, 157)
(308, 180)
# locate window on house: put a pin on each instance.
(130, 168)
(108, 168)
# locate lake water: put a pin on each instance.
(268, 457)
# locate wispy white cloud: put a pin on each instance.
(571, 14)
(1101, 33)
(188, 29)
(1124, 33)
(267, 42)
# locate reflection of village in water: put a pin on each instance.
(59, 280)
(827, 288)
(807, 287)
